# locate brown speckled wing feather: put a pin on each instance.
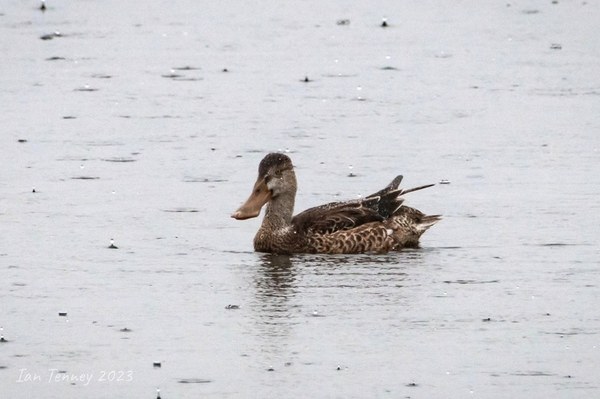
(336, 216)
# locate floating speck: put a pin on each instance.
(556, 46)
(232, 307)
(343, 22)
(444, 181)
(50, 36)
(384, 23)
(62, 314)
(43, 5)
(112, 244)
(271, 368)
(156, 365)
(194, 381)
(22, 140)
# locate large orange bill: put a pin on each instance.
(251, 208)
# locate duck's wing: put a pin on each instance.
(337, 216)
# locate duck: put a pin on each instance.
(377, 223)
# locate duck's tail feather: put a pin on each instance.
(410, 190)
(427, 221)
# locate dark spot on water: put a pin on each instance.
(3, 340)
(530, 11)
(555, 46)
(51, 36)
(186, 68)
(112, 246)
(85, 178)
(156, 364)
(444, 181)
(172, 75)
(119, 159)
(85, 89)
(232, 307)
(412, 384)
(384, 24)
(55, 59)
(389, 68)
(225, 70)
(271, 369)
(487, 319)
(3, 367)
(125, 330)
(62, 314)
(306, 80)
(69, 117)
(194, 381)
(22, 140)
(101, 76)
(181, 210)
(343, 22)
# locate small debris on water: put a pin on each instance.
(33, 190)
(351, 173)
(125, 329)
(231, 307)
(338, 368)
(2, 339)
(271, 369)
(412, 384)
(43, 6)
(156, 365)
(225, 70)
(384, 23)
(157, 393)
(556, 46)
(444, 181)
(112, 244)
(306, 79)
(22, 140)
(343, 22)
(51, 36)
(62, 314)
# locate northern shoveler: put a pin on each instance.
(377, 223)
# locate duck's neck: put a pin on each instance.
(279, 212)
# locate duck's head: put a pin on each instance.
(275, 177)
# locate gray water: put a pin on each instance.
(144, 123)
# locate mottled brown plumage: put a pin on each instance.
(377, 223)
